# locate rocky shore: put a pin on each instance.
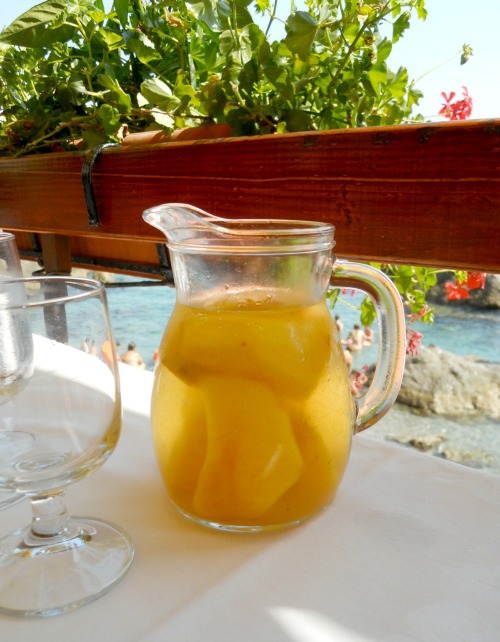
(449, 405)
(444, 383)
(470, 441)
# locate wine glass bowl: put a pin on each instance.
(60, 426)
(10, 263)
(16, 355)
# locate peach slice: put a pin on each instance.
(252, 454)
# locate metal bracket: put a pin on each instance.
(88, 187)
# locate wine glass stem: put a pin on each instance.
(50, 520)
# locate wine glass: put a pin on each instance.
(12, 364)
(62, 425)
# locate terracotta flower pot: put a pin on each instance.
(203, 132)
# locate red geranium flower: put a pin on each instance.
(460, 109)
(476, 280)
(456, 291)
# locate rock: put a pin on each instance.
(81, 273)
(423, 443)
(104, 277)
(489, 298)
(473, 459)
(444, 383)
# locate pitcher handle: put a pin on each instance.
(381, 395)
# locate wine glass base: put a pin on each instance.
(58, 577)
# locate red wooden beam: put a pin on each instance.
(419, 194)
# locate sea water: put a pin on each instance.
(141, 313)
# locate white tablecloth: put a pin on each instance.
(410, 550)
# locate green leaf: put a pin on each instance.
(92, 138)
(431, 280)
(181, 91)
(79, 7)
(155, 91)
(248, 77)
(403, 278)
(279, 78)
(350, 32)
(224, 10)
(144, 52)
(203, 12)
(121, 8)
(332, 295)
(213, 97)
(227, 42)
(301, 30)
(414, 95)
(263, 5)
(163, 119)
(421, 10)
(241, 121)
(397, 85)
(39, 26)
(112, 39)
(377, 76)
(297, 120)
(368, 314)
(97, 16)
(467, 52)
(326, 10)
(71, 93)
(259, 44)
(400, 25)
(384, 49)
(116, 93)
(110, 119)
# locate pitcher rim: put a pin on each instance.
(263, 235)
(258, 236)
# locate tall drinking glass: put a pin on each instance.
(60, 426)
(15, 356)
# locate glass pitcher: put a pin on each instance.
(252, 413)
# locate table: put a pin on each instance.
(409, 550)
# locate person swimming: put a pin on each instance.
(355, 338)
(132, 357)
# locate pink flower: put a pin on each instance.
(358, 380)
(460, 109)
(417, 316)
(413, 341)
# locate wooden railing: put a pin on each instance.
(420, 194)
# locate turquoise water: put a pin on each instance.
(140, 314)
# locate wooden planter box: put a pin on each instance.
(420, 194)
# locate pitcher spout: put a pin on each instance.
(180, 222)
(189, 226)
